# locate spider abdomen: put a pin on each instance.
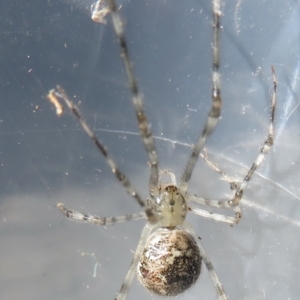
(170, 262)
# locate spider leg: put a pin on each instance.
(87, 218)
(61, 94)
(213, 203)
(207, 202)
(215, 112)
(123, 292)
(265, 149)
(216, 168)
(217, 217)
(211, 270)
(213, 275)
(137, 101)
(238, 189)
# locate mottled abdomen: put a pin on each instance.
(170, 262)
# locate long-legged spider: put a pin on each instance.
(169, 255)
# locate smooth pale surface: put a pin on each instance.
(46, 160)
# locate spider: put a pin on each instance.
(169, 254)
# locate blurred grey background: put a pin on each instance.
(45, 159)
